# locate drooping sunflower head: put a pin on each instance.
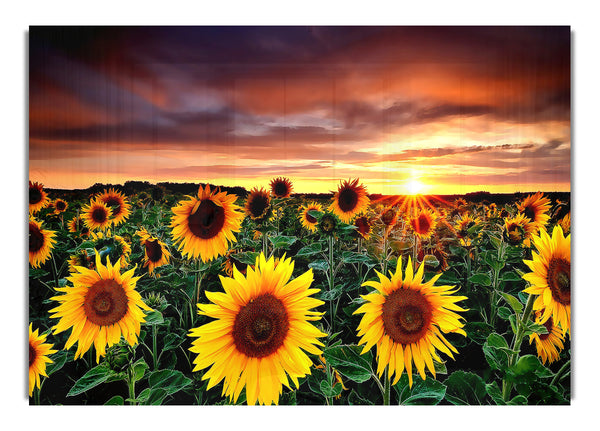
(389, 216)
(41, 243)
(308, 221)
(80, 258)
(258, 205)
(101, 306)
(565, 223)
(281, 187)
(232, 261)
(111, 246)
(518, 230)
(60, 206)
(203, 225)
(550, 278)
(405, 317)
(548, 345)
(260, 333)
(423, 223)
(118, 204)
(328, 224)
(156, 253)
(350, 200)
(535, 208)
(38, 198)
(363, 226)
(464, 226)
(96, 215)
(39, 353)
(77, 225)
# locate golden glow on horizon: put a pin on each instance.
(414, 187)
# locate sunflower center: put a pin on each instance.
(261, 326)
(363, 225)
(348, 199)
(529, 212)
(548, 324)
(280, 189)
(36, 238)
(258, 205)
(32, 354)
(99, 215)
(35, 195)
(423, 223)
(406, 316)
(208, 219)
(105, 302)
(559, 280)
(153, 250)
(114, 204)
(327, 224)
(310, 218)
(388, 217)
(60, 205)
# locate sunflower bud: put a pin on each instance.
(119, 355)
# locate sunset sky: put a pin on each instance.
(440, 110)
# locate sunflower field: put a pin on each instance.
(155, 297)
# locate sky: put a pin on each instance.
(435, 110)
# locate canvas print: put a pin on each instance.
(330, 215)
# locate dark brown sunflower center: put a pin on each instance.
(261, 326)
(99, 215)
(105, 302)
(32, 354)
(36, 238)
(422, 224)
(153, 250)
(114, 204)
(240, 266)
(529, 212)
(258, 205)
(363, 225)
(388, 217)
(280, 189)
(208, 220)
(310, 218)
(60, 205)
(548, 324)
(327, 224)
(347, 199)
(35, 195)
(559, 280)
(406, 316)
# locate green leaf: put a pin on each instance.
(247, 257)
(481, 278)
(510, 276)
(495, 351)
(504, 312)
(139, 369)
(528, 365)
(156, 396)
(493, 390)
(354, 399)
(536, 328)
(117, 400)
(319, 265)
(349, 362)
(154, 318)
(172, 341)
(423, 392)
(315, 213)
(310, 249)
(513, 302)
(329, 295)
(170, 380)
(94, 377)
(431, 260)
(354, 257)
(518, 400)
(457, 251)
(282, 241)
(60, 358)
(329, 391)
(463, 388)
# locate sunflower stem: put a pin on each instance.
(154, 349)
(54, 271)
(331, 242)
(131, 384)
(516, 347)
(560, 373)
(387, 387)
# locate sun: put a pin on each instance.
(414, 187)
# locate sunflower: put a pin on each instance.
(118, 203)
(405, 318)
(307, 220)
(111, 246)
(548, 345)
(100, 307)
(389, 216)
(261, 329)
(463, 224)
(518, 230)
(281, 187)
(96, 215)
(232, 261)
(491, 211)
(155, 251)
(535, 208)
(551, 277)
(38, 357)
(76, 225)
(203, 226)
(60, 206)
(328, 224)
(565, 223)
(41, 242)
(258, 205)
(363, 226)
(38, 198)
(423, 223)
(350, 200)
(80, 258)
